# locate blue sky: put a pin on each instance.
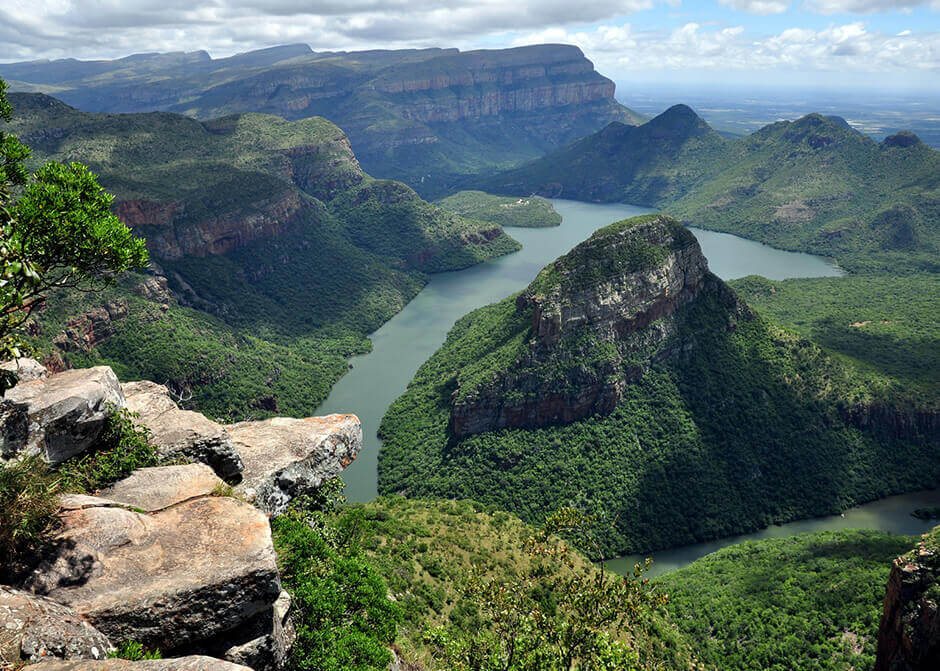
(883, 44)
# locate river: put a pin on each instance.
(402, 344)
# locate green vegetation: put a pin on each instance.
(28, 501)
(811, 601)
(268, 326)
(123, 448)
(342, 613)
(927, 513)
(885, 326)
(439, 558)
(749, 426)
(531, 212)
(30, 489)
(813, 185)
(55, 231)
(134, 652)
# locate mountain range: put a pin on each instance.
(423, 116)
(814, 184)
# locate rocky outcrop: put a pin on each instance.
(285, 457)
(909, 634)
(167, 580)
(191, 663)
(600, 317)
(34, 628)
(59, 416)
(89, 330)
(25, 369)
(182, 433)
(159, 487)
(170, 236)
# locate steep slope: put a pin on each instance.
(424, 116)
(629, 380)
(650, 164)
(909, 633)
(813, 184)
(269, 229)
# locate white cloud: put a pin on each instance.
(758, 6)
(847, 47)
(867, 6)
(108, 28)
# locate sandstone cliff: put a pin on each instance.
(598, 318)
(909, 635)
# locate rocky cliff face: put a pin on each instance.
(909, 635)
(169, 237)
(600, 316)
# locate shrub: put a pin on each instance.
(28, 499)
(124, 448)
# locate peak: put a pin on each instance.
(904, 138)
(679, 117)
(635, 245)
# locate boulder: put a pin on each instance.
(25, 369)
(166, 580)
(287, 457)
(192, 663)
(159, 487)
(33, 627)
(182, 433)
(262, 643)
(59, 416)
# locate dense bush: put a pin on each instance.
(811, 601)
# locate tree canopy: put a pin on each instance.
(56, 230)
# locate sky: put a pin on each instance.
(878, 44)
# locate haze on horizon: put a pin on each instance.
(866, 44)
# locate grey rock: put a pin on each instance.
(25, 369)
(263, 643)
(33, 627)
(182, 433)
(157, 488)
(191, 663)
(287, 457)
(59, 416)
(166, 580)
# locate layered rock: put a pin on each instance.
(170, 579)
(286, 457)
(159, 487)
(181, 433)
(34, 628)
(599, 318)
(59, 416)
(909, 633)
(89, 330)
(170, 237)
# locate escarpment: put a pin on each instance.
(909, 634)
(598, 318)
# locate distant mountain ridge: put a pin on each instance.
(266, 235)
(423, 116)
(814, 184)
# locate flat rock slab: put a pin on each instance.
(166, 580)
(157, 488)
(59, 416)
(181, 433)
(287, 457)
(192, 663)
(33, 627)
